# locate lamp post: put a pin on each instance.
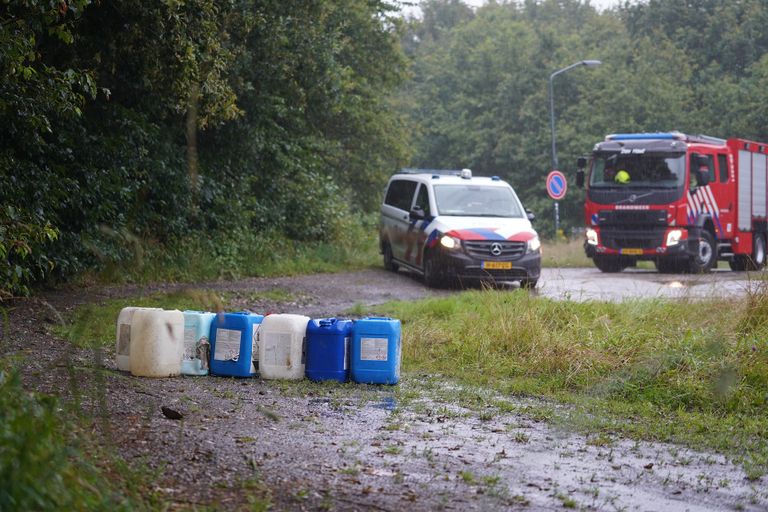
(589, 64)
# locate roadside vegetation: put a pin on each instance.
(680, 371)
(689, 372)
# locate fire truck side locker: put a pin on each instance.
(752, 192)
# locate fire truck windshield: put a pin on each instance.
(637, 170)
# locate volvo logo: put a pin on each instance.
(496, 249)
(632, 198)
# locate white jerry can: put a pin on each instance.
(282, 343)
(123, 337)
(157, 343)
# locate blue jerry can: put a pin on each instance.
(375, 351)
(233, 344)
(328, 349)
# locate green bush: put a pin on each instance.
(40, 468)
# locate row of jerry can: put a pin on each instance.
(153, 342)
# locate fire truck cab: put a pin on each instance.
(681, 201)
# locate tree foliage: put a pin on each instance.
(123, 124)
(478, 96)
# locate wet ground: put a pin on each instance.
(421, 445)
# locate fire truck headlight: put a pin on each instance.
(591, 236)
(674, 236)
(534, 244)
(450, 242)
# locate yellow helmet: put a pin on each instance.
(622, 177)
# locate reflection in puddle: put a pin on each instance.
(388, 404)
(676, 284)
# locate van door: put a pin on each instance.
(723, 188)
(395, 215)
(417, 234)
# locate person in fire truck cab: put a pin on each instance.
(622, 177)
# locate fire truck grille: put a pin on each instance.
(481, 249)
(632, 219)
(624, 240)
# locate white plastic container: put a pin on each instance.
(123, 337)
(157, 343)
(282, 346)
(197, 344)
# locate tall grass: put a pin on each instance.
(563, 253)
(42, 464)
(241, 254)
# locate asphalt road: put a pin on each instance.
(591, 284)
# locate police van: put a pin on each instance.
(452, 227)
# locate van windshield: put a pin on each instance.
(476, 201)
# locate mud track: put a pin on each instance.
(423, 445)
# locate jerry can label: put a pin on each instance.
(124, 340)
(190, 343)
(374, 349)
(346, 353)
(227, 345)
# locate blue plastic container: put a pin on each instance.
(375, 351)
(197, 342)
(328, 349)
(233, 344)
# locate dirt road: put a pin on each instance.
(423, 445)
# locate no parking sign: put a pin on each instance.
(556, 185)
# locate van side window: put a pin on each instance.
(422, 199)
(400, 194)
(722, 163)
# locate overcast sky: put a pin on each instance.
(599, 4)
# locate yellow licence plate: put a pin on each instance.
(497, 265)
(632, 252)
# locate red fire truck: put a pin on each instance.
(681, 201)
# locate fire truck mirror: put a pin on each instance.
(580, 178)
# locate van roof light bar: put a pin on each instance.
(434, 172)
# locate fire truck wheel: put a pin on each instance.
(705, 257)
(389, 263)
(738, 263)
(757, 260)
(670, 265)
(608, 264)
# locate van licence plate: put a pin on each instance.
(497, 265)
(632, 252)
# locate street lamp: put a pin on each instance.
(589, 64)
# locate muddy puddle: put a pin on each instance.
(349, 447)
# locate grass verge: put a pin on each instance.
(693, 372)
(690, 372)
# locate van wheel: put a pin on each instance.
(432, 277)
(705, 257)
(389, 263)
(757, 260)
